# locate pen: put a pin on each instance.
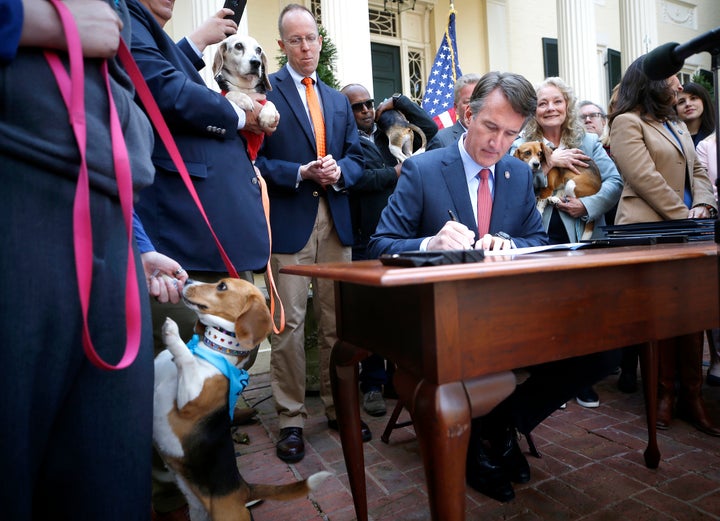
(452, 216)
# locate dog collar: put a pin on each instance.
(222, 341)
(237, 378)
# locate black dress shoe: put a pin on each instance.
(364, 429)
(487, 477)
(290, 446)
(513, 460)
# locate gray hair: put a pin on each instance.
(462, 82)
(585, 103)
(516, 88)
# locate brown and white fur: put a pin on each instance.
(401, 134)
(240, 69)
(191, 423)
(561, 182)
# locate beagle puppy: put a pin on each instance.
(240, 69)
(401, 134)
(561, 182)
(196, 387)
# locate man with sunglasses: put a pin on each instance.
(368, 198)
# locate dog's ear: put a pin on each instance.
(517, 153)
(254, 324)
(546, 150)
(219, 59)
(265, 79)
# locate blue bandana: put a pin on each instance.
(238, 377)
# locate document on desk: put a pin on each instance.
(538, 249)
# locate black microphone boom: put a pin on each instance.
(666, 60)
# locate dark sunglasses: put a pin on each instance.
(369, 104)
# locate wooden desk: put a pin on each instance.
(457, 332)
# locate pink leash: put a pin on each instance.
(72, 90)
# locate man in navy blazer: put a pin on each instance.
(432, 208)
(309, 214)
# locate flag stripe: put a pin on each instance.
(438, 98)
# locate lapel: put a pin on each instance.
(286, 88)
(666, 134)
(502, 190)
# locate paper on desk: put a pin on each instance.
(537, 249)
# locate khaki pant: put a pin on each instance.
(287, 356)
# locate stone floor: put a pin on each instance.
(591, 467)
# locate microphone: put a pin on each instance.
(666, 60)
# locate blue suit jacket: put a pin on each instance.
(434, 182)
(446, 136)
(204, 126)
(293, 208)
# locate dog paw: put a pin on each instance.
(170, 331)
(241, 99)
(268, 117)
(553, 200)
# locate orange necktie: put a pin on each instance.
(484, 203)
(315, 116)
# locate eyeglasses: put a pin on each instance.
(297, 41)
(592, 115)
(369, 104)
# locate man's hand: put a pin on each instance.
(324, 171)
(452, 236)
(494, 243)
(214, 30)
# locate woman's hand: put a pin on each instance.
(570, 158)
(164, 276)
(572, 206)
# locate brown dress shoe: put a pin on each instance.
(290, 446)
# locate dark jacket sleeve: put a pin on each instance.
(11, 22)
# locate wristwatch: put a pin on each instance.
(710, 208)
(395, 97)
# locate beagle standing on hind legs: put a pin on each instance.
(196, 386)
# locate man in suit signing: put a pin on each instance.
(309, 163)
(441, 202)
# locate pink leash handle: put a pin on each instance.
(72, 88)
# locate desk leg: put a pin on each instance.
(649, 369)
(443, 443)
(344, 361)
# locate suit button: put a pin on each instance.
(222, 131)
(315, 193)
(209, 128)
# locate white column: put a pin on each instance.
(497, 35)
(577, 47)
(638, 29)
(348, 26)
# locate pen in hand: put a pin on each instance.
(452, 216)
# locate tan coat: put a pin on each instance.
(653, 168)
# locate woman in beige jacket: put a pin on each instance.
(663, 180)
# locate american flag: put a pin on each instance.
(438, 99)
